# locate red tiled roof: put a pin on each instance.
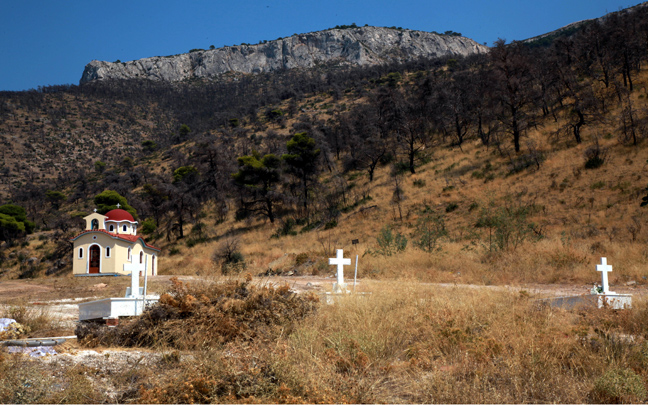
(119, 215)
(128, 238)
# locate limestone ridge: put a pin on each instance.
(356, 46)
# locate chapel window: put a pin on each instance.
(80, 253)
(112, 228)
(94, 224)
(124, 228)
(107, 251)
(141, 257)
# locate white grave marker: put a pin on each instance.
(340, 262)
(605, 268)
(609, 298)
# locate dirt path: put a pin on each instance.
(18, 289)
(46, 291)
(311, 283)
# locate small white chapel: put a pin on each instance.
(110, 246)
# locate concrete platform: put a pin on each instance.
(113, 308)
(613, 301)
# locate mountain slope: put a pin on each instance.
(357, 46)
(570, 29)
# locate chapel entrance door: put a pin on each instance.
(95, 254)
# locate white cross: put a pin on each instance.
(95, 210)
(118, 205)
(604, 268)
(340, 262)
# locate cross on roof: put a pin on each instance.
(95, 210)
(118, 205)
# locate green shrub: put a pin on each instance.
(389, 242)
(149, 146)
(234, 264)
(619, 386)
(419, 183)
(451, 207)
(595, 156)
(430, 228)
(598, 185)
(594, 162)
(301, 259)
(148, 226)
(229, 256)
(309, 227)
(330, 224)
(286, 229)
(191, 242)
(508, 226)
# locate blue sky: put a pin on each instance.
(49, 42)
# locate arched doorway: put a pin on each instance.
(94, 258)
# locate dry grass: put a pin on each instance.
(35, 320)
(408, 342)
(405, 343)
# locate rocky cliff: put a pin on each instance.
(359, 46)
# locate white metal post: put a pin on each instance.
(355, 277)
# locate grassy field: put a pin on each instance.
(404, 343)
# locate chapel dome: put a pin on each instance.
(119, 215)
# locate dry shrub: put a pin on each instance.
(27, 380)
(213, 314)
(244, 375)
(32, 319)
(14, 331)
(23, 381)
(75, 386)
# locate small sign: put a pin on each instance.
(355, 241)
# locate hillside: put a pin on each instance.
(472, 160)
(362, 46)
(468, 187)
(570, 29)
